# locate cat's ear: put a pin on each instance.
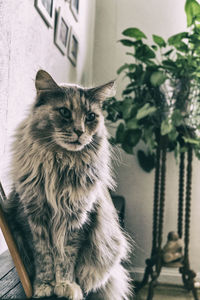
(43, 81)
(102, 92)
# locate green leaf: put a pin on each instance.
(120, 133)
(169, 65)
(144, 53)
(127, 148)
(128, 91)
(176, 39)
(149, 137)
(177, 118)
(183, 47)
(189, 12)
(134, 33)
(132, 137)
(168, 52)
(191, 141)
(197, 28)
(159, 41)
(157, 78)
(145, 111)
(154, 47)
(146, 161)
(173, 135)
(127, 42)
(124, 67)
(166, 127)
(132, 124)
(192, 9)
(127, 106)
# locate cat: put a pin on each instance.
(60, 209)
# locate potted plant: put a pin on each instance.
(163, 92)
(160, 107)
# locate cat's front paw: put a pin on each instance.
(70, 290)
(42, 290)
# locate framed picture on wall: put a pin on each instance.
(46, 10)
(73, 48)
(61, 36)
(74, 6)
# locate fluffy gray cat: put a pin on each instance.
(60, 209)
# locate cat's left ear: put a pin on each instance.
(44, 82)
(102, 92)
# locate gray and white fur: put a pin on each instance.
(60, 210)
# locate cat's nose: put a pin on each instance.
(79, 132)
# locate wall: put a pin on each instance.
(163, 18)
(26, 45)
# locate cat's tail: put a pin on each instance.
(118, 287)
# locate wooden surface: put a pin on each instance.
(10, 285)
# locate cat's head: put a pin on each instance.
(68, 115)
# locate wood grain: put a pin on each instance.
(15, 255)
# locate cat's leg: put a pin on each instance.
(117, 287)
(66, 285)
(44, 281)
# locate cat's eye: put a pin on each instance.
(90, 117)
(66, 113)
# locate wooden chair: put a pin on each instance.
(13, 249)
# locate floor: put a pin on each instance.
(10, 286)
(167, 292)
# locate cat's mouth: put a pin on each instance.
(75, 143)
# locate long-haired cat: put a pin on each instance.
(60, 209)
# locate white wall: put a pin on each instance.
(163, 18)
(26, 45)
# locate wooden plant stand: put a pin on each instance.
(155, 263)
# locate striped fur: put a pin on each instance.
(60, 209)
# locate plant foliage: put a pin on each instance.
(163, 91)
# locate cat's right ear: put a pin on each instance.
(44, 82)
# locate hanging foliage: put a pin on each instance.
(163, 91)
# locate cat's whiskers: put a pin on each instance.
(59, 132)
(48, 144)
(65, 138)
(93, 145)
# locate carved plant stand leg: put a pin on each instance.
(158, 235)
(188, 275)
(181, 194)
(150, 262)
(154, 263)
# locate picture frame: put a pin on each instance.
(46, 9)
(73, 48)
(62, 32)
(74, 6)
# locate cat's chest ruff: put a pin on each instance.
(77, 174)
